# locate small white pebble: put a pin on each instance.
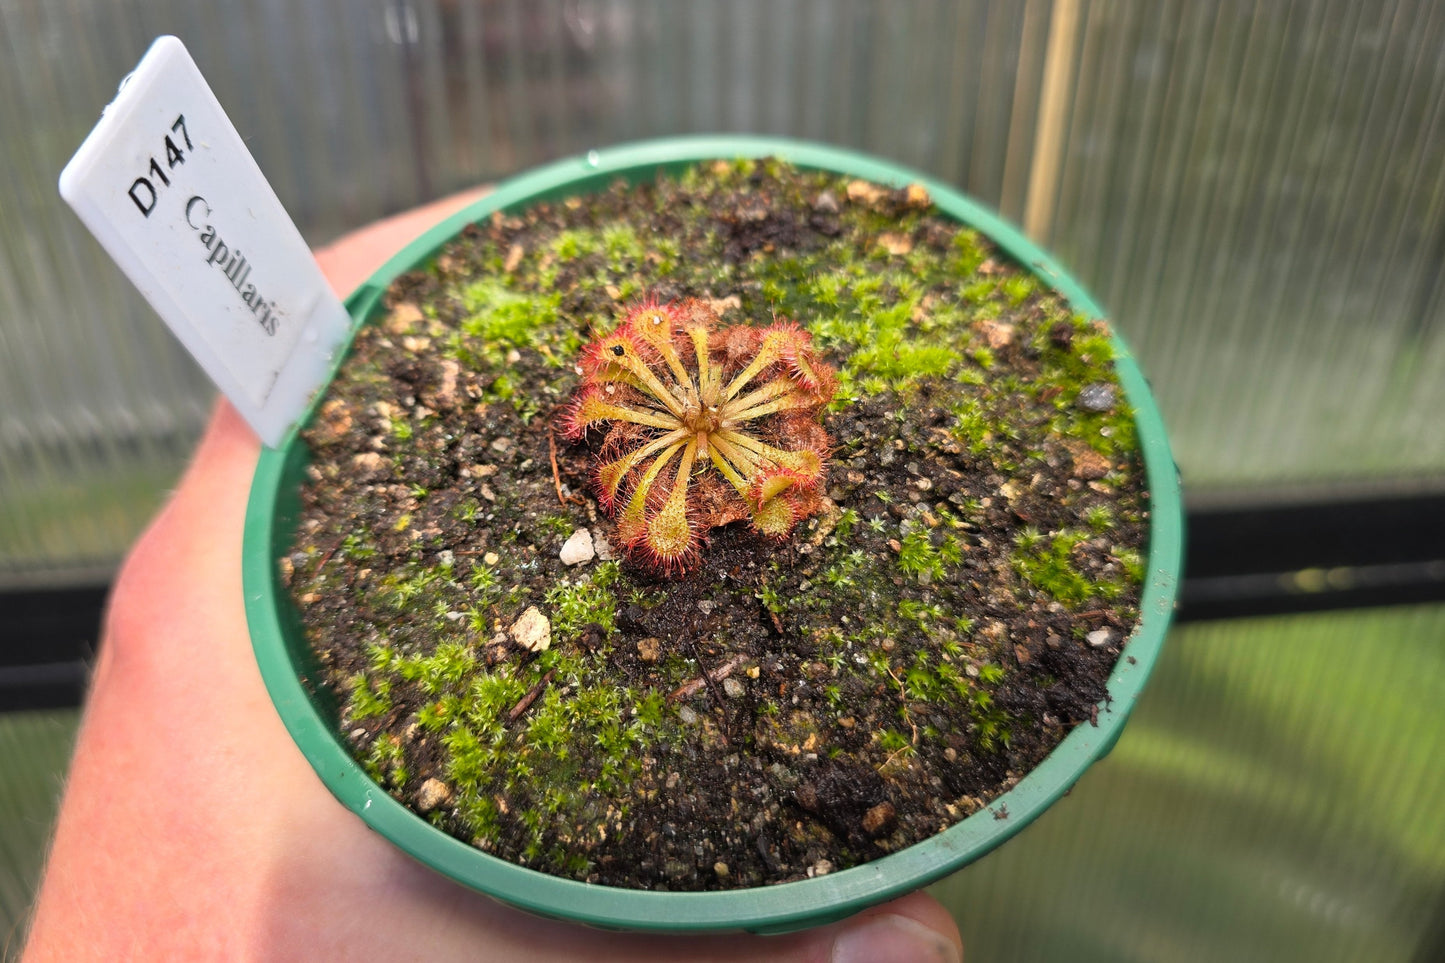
(532, 631)
(1100, 637)
(578, 548)
(433, 793)
(602, 547)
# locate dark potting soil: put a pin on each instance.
(783, 709)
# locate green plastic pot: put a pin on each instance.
(310, 714)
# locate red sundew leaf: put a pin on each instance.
(795, 348)
(806, 500)
(594, 406)
(814, 376)
(621, 438)
(669, 562)
(671, 539)
(739, 344)
(631, 528)
(800, 431)
(776, 517)
(653, 324)
(786, 339)
(608, 351)
(576, 420)
(775, 482)
(608, 481)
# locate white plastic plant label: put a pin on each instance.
(169, 189)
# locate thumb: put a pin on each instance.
(914, 929)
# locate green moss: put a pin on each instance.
(498, 318)
(557, 525)
(478, 813)
(356, 548)
(490, 695)
(369, 697)
(589, 601)
(826, 289)
(900, 360)
(404, 587)
(1132, 563)
(841, 573)
(619, 252)
(896, 743)
(979, 291)
(771, 599)
(468, 511)
(482, 579)
(573, 244)
(385, 761)
(924, 615)
(497, 314)
(1100, 518)
(1018, 288)
(442, 670)
(966, 253)
(1045, 562)
(919, 555)
(535, 762)
(650, 709)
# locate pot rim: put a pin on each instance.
(784, 906)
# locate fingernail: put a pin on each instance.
(893, 939)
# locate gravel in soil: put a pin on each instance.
(783, 709)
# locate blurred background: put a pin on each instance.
(1255, 190)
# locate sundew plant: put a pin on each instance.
(705, 424)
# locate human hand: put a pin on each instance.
(192, 827)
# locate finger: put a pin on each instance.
(915, 927)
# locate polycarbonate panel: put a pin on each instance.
(1256, 190)
(34, 753)
(1276, 796)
